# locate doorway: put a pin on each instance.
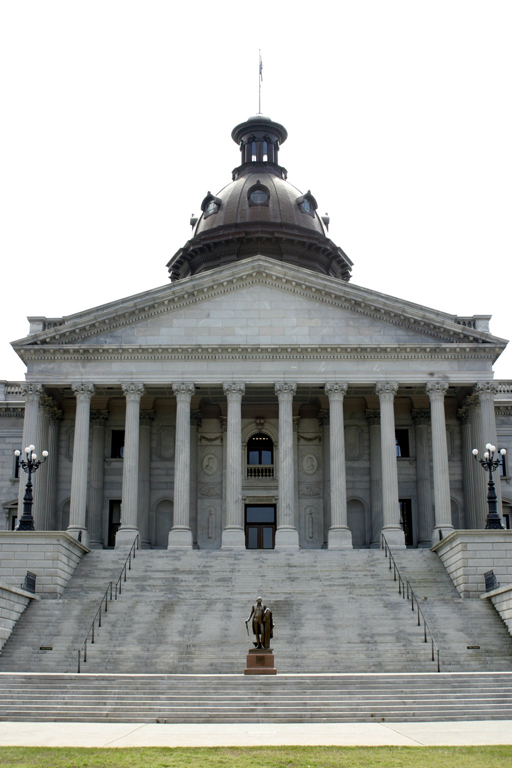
(260, 526)
(406, 521)
(114, 520)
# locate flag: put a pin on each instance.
(261, 68)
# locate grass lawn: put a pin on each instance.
(262, 757)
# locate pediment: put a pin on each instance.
(256, 302)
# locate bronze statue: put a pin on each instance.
(262, 624)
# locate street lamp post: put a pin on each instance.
(30, 464)
(489, 463)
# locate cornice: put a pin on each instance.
(120, 352)
(256, 271)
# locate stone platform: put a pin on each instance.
(260, 661)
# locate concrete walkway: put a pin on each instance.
(466, 733)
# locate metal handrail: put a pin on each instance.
(405, 589)
(112, 587)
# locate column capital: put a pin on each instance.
(372, 416)
(420, 416)
(99, 418)
(285, 389)
(83, 392)
(56, 417)
(133, 391)
(183, 390)
(196, 418)
(147, 417)
(386, 390)
(323, 417)
(31, 392)
(234, 389)
(463, 414)
(46, 403)
(336, 390)
(486, 390)
(436, 390)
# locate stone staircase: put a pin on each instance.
(239, 699)
(184, 612)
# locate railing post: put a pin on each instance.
(418, 607)
(78, 662)
(433, 649)
(438, 661)
(94, 621)
(99, 617)
(85, 650)
(412, 600)
(425, 629)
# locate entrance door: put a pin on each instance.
(114, 520)
(406, 520)
(260, 527)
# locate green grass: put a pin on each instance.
(259, 757)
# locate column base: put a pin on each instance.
(287, 538)
(339, 538)
(395, 537)
(78, 533)
(440, 532)
(180, 538)
(233, 538)
(126, 536)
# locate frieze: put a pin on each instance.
(312, 439)
(13, 411)
(210, 490)
(213, 440)
(310, 490)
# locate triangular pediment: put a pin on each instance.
(257, 302)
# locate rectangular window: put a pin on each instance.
(117, 446)
(503, 466)
(16, 469)
(402, 443)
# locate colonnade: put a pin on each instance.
(477, 424)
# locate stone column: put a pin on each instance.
(373, 419)
(421, 421)
(146, 419)
(78, 504)
(287, 535)
(479, 478)
(40, 479)
(323, 420)
(486, 392)
(31, 394)
(130, 493)
(223, 423)
(233, 535)
(442, 503)
(53, 468)
(95, 505)
(180, 535)
(340, 536)
(468, 466)
(296, 426)
(391, 529)
(195, 425)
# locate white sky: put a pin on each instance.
(116, 120)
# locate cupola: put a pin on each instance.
(260, 213)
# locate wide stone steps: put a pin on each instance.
(234, 698)
(184, 612)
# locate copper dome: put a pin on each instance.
(259, 213)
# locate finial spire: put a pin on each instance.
(260, 80)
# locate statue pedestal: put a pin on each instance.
(260, 661)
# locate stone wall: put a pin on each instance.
(13, 602)
(502, 600)
(52, 556)
(467, 555)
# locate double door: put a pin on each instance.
(260, 526)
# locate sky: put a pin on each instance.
(115, 121)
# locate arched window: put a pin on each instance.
(260, 456)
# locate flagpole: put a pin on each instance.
(260, 78)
